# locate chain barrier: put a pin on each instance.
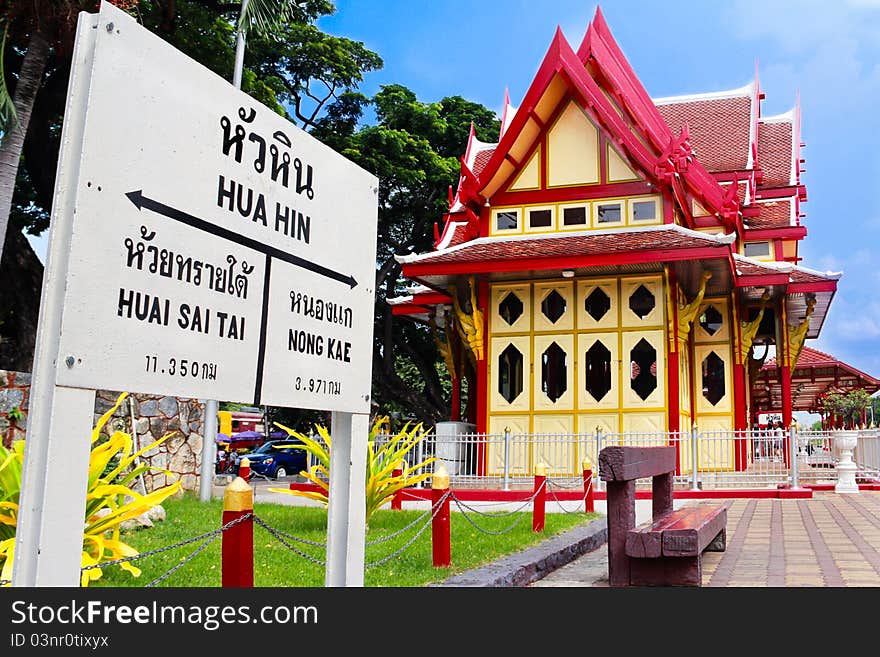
(208, 535)
(528, 501)
(399, 531)
(182, 562)
(421, 531)
(559, 503)
(291, 537)
(280, 536)
(576, 484)
(4, 582)
(576, 510)
(488, 531)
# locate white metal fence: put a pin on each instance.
(724, 459)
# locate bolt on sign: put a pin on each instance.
(217, 250)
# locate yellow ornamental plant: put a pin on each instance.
(383, 456)
(109, 499)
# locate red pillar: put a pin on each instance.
(588, 487)
(673, 382)
(785, 376)
(672, 379)
(480, 390)
(455, 415)
(441, 547)
(540, 501)
(237, 553)
(397, 499)
(740, 421)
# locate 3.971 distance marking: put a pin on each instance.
(317, 386)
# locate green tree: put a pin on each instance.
(847, 406)
(414, 149)
(204, 30)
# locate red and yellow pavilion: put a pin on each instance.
(613, 260)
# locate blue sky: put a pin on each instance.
(829, 52)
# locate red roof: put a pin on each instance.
(667, 237)
(814, 358)
(482, 159)
(719, 129)
(815, 374)
(801, 276)
(774, 153)
(774, 214)
(748, 267)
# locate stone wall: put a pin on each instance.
(152, 416)
(15, 389)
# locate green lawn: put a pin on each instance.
(276, 565)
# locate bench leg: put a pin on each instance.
(661, 494)
(666, 571)
(719, 543)
(621, 496)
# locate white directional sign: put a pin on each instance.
(218, 251)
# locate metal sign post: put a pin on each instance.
(201, 246)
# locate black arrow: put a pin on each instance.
(140, 201)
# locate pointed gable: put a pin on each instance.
(604, 100)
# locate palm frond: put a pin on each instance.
(8, 115)
(265, 17)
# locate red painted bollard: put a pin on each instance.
(588, 486)
(244, 469)
(540, 502)
(440, 532)
(238, 541)
(397, 500)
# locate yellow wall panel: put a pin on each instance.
(618, 169)
(656, 398)
(721, 334)
(646, 423)
(542, 401)
(529, 176)
(553, 445)
(498, 294)
(628, 287)
(520, 447)
(497, 346)
(564, 322)
(573, 149)
(702, 353)
(716, 452)
(587, 287)
(611, 399)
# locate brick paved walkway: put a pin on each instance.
(829, 541)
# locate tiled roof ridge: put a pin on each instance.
(675, 228)
(746, 91)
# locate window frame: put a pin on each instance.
(567, 206)
(527, 219)
(507, 231)
(620, 203)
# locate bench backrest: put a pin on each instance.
(619, 463)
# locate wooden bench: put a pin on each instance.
(667, 551)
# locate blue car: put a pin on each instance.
(277, 458)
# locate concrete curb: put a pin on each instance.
(523, 568)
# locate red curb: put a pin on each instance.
(496, 495)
